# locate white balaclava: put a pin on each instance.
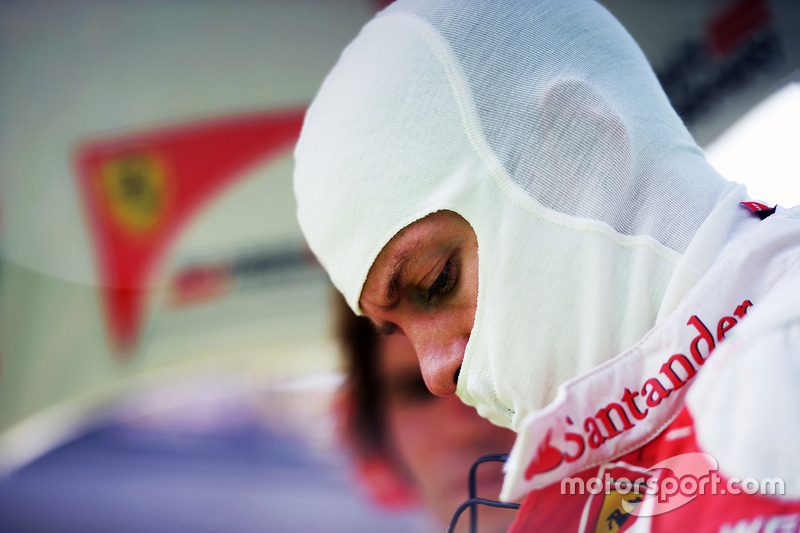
(542, 124)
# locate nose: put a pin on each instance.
(440, 362)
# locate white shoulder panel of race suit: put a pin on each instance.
(746, 402)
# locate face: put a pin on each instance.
(424, 286)
(438, 439)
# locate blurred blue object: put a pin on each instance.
(237, 476)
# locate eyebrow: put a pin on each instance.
(392, 293)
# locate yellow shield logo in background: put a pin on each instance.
(135, 190)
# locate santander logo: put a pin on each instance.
(636, 401)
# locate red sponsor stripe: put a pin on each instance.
(755, 207)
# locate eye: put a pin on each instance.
(444, 283)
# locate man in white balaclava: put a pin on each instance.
(506, 184)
